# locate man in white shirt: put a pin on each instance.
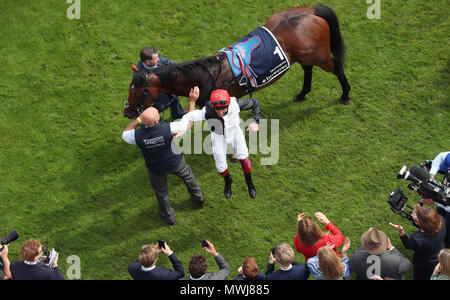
(155, 140)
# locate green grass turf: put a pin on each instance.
(66, 175)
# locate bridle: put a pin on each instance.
(139, 105)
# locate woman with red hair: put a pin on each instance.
(427, 242)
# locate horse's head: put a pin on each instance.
(140, 96)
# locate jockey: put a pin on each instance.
(222, 115)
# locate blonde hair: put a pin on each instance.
(330, 264)
(444, 261)
(308, 231)
(284, 254)
(148, 255)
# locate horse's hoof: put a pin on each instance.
(345, 101)
(299, 98)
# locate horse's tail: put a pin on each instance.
(336, 42)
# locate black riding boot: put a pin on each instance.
(251, 187)
(227, 189)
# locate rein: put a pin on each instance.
(214, 85)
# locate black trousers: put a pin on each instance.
(168, 100)
(159, 184)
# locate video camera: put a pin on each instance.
(397, 201)
(421, 182)
(427, 187)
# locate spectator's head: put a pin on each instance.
(249, 268)
(284, 254)
(428, 220)
(197, 266)
(149, 56)
(148, 255)
(444, 261)
(150, 116)
(330, 264)
(308, 231)
(374, 241)
(31, 250)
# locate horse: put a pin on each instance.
(309, 35)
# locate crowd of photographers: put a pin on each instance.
(376, 259)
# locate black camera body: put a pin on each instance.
(49, 256)
(427, 187)
(397, 200)
(10, 237)
(422, 183)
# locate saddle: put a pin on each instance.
(240, 56)
(256, 59)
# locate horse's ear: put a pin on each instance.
(133, 66)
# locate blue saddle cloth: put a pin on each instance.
(257, 58)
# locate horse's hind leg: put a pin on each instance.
(306, 84)
(339, 72)
(337, 68)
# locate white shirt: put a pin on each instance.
(440, 158)
(129, 136)
(147, 269)
(231, 118)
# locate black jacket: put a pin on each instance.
(21, 271)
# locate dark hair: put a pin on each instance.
(197, 266)
(147, 53)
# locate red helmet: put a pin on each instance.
(220, 99)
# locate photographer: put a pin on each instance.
(145, 268)
(289, 268)
(427, 242)
(6, 273)
(30, 268)
(198, 266)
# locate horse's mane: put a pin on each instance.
(168, 73)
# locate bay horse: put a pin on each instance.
(308, 35)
